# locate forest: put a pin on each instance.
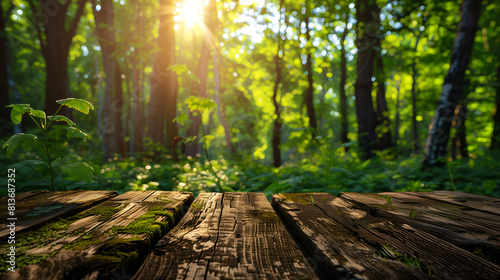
(251, 95)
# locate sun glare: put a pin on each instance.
(190, 11)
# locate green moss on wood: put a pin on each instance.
(296, 198)
(147, 224)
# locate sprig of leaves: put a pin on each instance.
(57, 166)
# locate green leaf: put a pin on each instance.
(13, 143)
(17, 112)
(178, 68)
(196, 103)
(181, 119)
(263, 175)
(79, 170)
(37, 183)
(78, 104)
(227, 189)
(337, 169)
(272, 188)
(206, 140)
(59, 118)
(30, 163)
(348, 144)
(37, 113)
(74, 132)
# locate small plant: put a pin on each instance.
(278, 185)
(328, 154)
(50, 148)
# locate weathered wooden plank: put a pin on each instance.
(107, 241)
(474, 201)
(33, 209)
(470, 229)
(443, 259)
(336, 249)
(227, 236)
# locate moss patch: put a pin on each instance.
(105, 212)
(121, 252)
(147, 224)
(296, 198)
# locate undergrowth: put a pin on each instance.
(387, 171)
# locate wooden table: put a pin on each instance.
(166, 235)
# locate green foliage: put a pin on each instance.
(50, 148)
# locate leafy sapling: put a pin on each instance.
(50, 148)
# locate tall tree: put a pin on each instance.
(309, 94)
(278, 122)
(439, 129)
(385, 138)
(163, 99)
(201, 88)
(56, 25)
(343, 80)
(221, 117)
(458, 141)
(112, 124)
(367, 29)
(4, 80)
(495, 138)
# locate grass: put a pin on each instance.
(386, 172)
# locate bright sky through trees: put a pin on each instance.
(190, 11)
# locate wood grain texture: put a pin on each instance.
(468, 228)
(227, 236)
(327, 228)
(35, 208)
(107, 241)
(424, 241)
(474, 201)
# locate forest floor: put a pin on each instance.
(347, 173)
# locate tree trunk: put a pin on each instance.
(51, 19)
(137, 114)
(458, 142)
(495, 138)
(343, 97)
(5, 122)
(277, 124)
(398, 114)
(309, 94)
(367, 31)
(112, 121)
(439, 130)
(222, 119)
(137, 104)
(385, 140)
(193, 130)
(163, 101)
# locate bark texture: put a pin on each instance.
(439, 130)
(367, 31)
